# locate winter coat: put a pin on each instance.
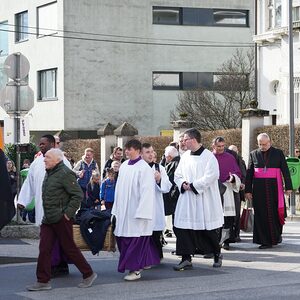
(61, 194)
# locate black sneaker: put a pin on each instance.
(183, 265)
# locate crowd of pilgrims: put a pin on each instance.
(203, 229)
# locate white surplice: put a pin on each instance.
(32, 187)
(202, 211)
(228, 196)
(134, 200)
(164, 187)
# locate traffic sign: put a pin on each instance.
(8, 99)
(12, 67)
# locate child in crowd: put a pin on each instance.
(107, 190)
(93, 190)
(116, 166)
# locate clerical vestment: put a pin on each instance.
(201, 211)
(267, 191)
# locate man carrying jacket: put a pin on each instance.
(61, 196)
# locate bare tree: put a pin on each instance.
(219, 107)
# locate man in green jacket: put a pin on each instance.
(61, 198)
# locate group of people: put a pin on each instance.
(211, 184)
(97, 193)
(200, 189)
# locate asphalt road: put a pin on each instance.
(247, 273)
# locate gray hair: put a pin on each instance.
(57, 153)
(233, 148)
(263, 136)
(171, 150)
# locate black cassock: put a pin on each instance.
(267, 228)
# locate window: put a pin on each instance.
(200, 80)
(296, 13)
(3, 39)
(47, 83)
(166, 81)
(194, 80)
(47, 19)
(166, 15)
(297, 97)
(230, 17)
(200, 16)
(21, 26)
(230, 82)
(274, 8)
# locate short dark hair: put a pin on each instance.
(218, 139)
(194, 134)
(135, 144)
(50, 138)
(146, 145)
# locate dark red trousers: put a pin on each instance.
(63, 231)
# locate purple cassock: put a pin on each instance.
(227, 164)
(136, 252)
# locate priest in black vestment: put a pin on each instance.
(264, 185)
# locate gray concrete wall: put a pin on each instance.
(112, 82)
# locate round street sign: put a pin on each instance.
(11, 63)
(8, 99)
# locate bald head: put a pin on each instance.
(53, 157)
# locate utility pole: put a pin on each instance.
(291, 94)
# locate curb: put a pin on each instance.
(20, 231)
(293, 218)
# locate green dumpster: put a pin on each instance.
(294, 168)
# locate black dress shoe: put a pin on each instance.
(226, 246)
(264, 246)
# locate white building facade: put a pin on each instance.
(99, 61)
(273, 59)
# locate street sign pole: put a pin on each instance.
(17, 68)
(17, 130)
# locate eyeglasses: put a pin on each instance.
(297, 151)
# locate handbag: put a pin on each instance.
(247, 218)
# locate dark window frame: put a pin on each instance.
(210, 17)
(168, 8)
(39, 85)
(38, 35)
(233, 10)
(20, 29)
(199, 80)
